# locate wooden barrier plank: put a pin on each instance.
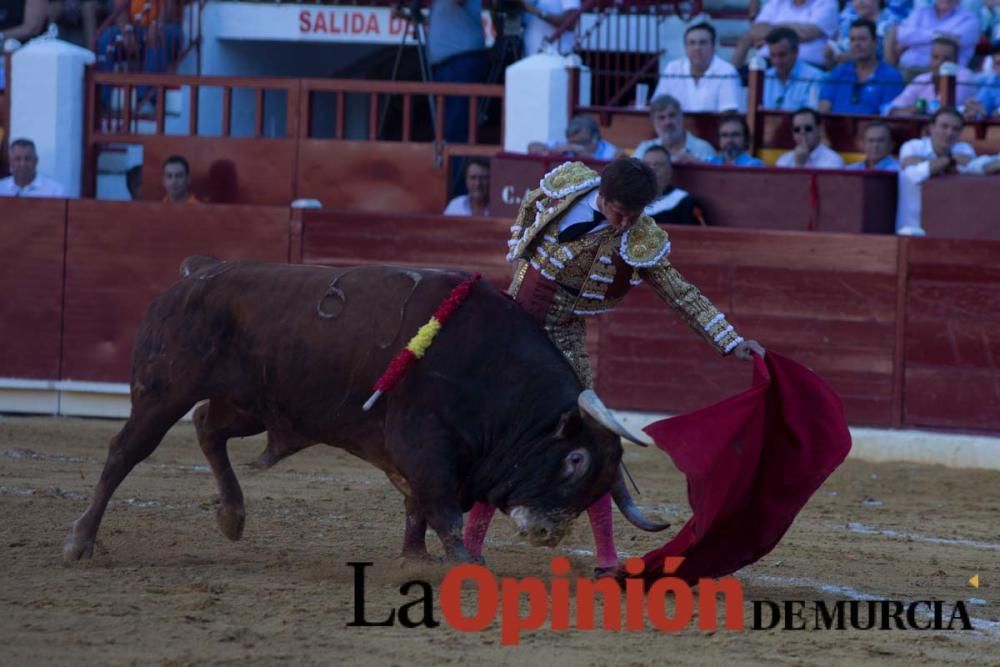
(372, 176)
(31, 280)
(354, 237)
(224, 170)
(961, 207)
(120, 255)
(943, 397)
(952, 339)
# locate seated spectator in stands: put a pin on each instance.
(789, 83)
(937, 154)
(148, 33)
(839, 51)
(921, 96)
(814, 22)
(878, 149)
(70, 13)
(911, 40)
(701, 81)
(177, 181)
(477, 183)
(734, 138)
(986, 103)
(133, 182)
(674, 206)
(865, 85)
(668, 123)
(542, 18)
(22, 20)
(808, 151)
(583, 139)
(24, 179)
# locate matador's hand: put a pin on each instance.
(746, 349)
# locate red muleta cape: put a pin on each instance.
(751, 462)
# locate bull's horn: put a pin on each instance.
(628, 507)
(593, 406)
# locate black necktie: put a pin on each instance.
(578, 229)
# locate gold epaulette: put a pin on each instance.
(644, 243)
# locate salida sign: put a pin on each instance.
(370, 25)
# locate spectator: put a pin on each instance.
(133, 182)
(734, 138)
(177, 181)
(986, 103)
(701, 81)
(878, 149)
(543, 17)
(456, 49)
(24, 179)
(148, 32)
(921, 96)
(808, 151)
(789, 83)
(674, 206)
(919, 159)
(477, 182)
(864, 86)
(668, 123)
(882, 20)
(22, 19)
(73, 12)
(583, 139)
(813, 21)
(912, 40)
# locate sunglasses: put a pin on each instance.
(803, 128)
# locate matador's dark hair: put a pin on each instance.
(630, 182)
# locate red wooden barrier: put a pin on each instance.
(120, 255)
(353, 237)
(828, 301)
(225, 171)
(953, 334)
(961, 207)
(32, 245)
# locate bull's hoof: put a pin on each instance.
(231, 522)
(76, 548)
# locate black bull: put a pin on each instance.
(492, 413)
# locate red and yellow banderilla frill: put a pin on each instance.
(421, 340)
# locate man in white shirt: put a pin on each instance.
(668, 123)
(477, 183)
(937, 154)
(24, 179)
(815, 22)
(541, 20)
(702, 81)
(583, 139)
(808, 151)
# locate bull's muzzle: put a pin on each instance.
(539, 531)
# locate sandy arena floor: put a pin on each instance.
(166, 588)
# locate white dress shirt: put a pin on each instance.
(910, 179)
(820, 13)
(40, 187)
(718, 89)
(822, 157)
(536, 30)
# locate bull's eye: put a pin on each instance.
(575, 464)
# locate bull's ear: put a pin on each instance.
(569, 424)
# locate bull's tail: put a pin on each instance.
(196, 263)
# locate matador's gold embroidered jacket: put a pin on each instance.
(599, 268)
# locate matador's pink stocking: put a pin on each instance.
(476, 525)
